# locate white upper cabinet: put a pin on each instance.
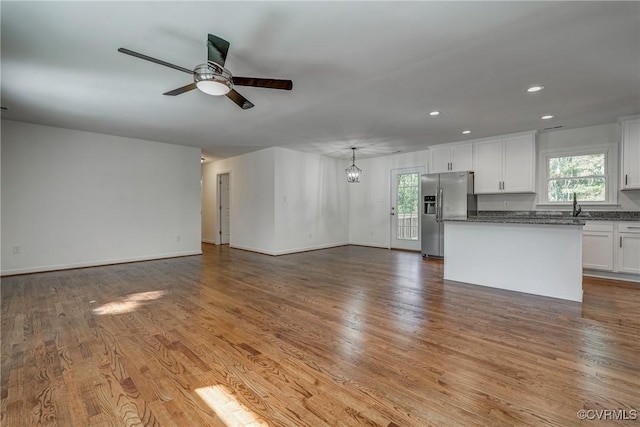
(451, 158)
(488, 166)
(630, 153)
(519, 172)
(505, 164)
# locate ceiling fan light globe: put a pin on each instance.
(213, 87)
(212, 79)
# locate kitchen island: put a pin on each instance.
(540, 256)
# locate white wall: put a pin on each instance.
(251, 196)
(251, 200)
(370, 200)
(279, 198)
(72, 198)
(311, 202)
(209, 202)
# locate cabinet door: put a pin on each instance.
(597, 250)
(488, 166)
(629, 253)
(440, 159)
(518, 164)
(462, 157)
(631, 154)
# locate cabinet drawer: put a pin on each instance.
(598, 226)
(629, 227)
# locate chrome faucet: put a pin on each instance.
(576, 207)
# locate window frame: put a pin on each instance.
(611, 183)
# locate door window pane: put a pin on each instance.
(407, 206)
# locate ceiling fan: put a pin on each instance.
(212, 78)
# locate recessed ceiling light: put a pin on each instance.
(434, 113)
(537, 88)
(547, 117)
(466, 132)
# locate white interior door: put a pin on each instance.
(224, 211)
(405, 208)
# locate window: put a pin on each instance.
(590, 170)
(585, 175)
(408, 192)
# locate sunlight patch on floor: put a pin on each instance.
(128, 303)
(227, 408)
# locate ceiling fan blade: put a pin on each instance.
(217, 49)
(181, 90)
(242, 102)
(157, 61)
(266, 83)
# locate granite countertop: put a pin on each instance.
(503, 219)
(550, 217)
(584, 215)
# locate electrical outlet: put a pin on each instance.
(310, 235)
(16, 250)
(506, 203)
(178, 238)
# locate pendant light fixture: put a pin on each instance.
(353, 172)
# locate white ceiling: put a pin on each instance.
(365, 74)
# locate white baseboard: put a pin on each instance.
(611, 275)
(369, 245)
(288, 251)
(211, 242)
(41, 269)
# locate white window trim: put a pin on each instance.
(611, 191)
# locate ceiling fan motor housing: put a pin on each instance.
(212, 79)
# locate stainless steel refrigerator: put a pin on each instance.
(444, 196)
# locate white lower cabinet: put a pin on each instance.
(629, 248)
(597, 246)
(611, 246)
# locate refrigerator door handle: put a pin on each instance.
(440, 198)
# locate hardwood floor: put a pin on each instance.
(346, 336)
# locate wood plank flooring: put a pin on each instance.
(348, 336)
